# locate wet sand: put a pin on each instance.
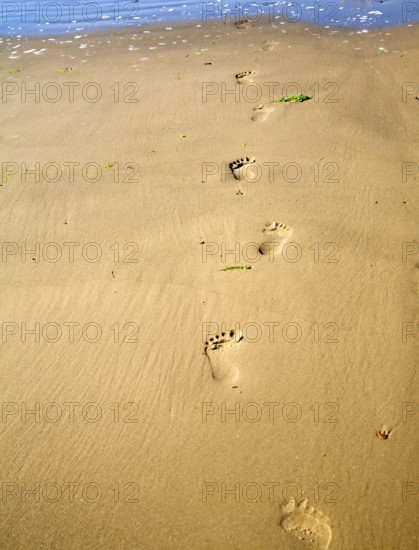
(133, 443)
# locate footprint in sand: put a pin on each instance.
(269, 45)
(217, 350)
(243, 24)
(245, 77)
(243, 169)
(278, 233)
(261, 112)
(308, 525)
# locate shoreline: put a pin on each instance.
(264, 22)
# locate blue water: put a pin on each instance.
(46, 17)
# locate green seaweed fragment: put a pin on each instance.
(15, 71)
(292, 99)
(231, 267)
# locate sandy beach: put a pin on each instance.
(204, 347)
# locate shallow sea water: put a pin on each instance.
(46, 17)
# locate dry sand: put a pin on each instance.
(336, 368)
